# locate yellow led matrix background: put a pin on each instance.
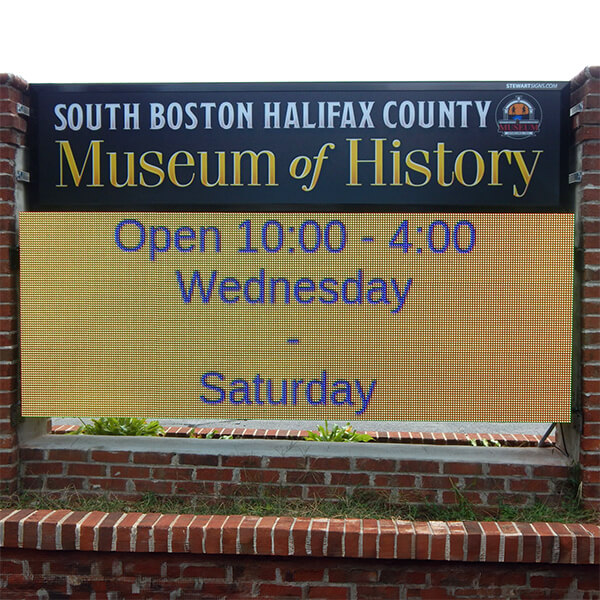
(423, 316)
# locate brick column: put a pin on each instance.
(585, 158)
(13, 91)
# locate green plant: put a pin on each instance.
(337, 434)
(214, 435)
(121, 426)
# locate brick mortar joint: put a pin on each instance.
(9, 143)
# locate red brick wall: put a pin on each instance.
(12, 140)
(586, 158)
(44, 574)
(174, 556)
(189, 468)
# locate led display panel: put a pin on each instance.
(417, 316)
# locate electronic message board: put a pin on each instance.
(339, 251)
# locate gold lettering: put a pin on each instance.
(173, 164)
(204, 170)
(495, 169)
(130, 181)
(154, 169)
(396, 163)
(377, 161)
(525, 173)
(458, 168)
(66, 151)
(237, 169)
(441, 165)
(418, 168)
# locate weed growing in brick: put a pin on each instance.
(337, 434)
(213, 434)
(362, 505)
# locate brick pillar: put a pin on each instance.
(585, 157)
(13, 91)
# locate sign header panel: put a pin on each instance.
(314, 146)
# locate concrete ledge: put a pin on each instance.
(299, 537)
(302, 449)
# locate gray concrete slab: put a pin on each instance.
(293, 448)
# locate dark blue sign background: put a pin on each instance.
(426, 124)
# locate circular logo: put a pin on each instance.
(518, 116)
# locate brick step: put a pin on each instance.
(468, 541)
